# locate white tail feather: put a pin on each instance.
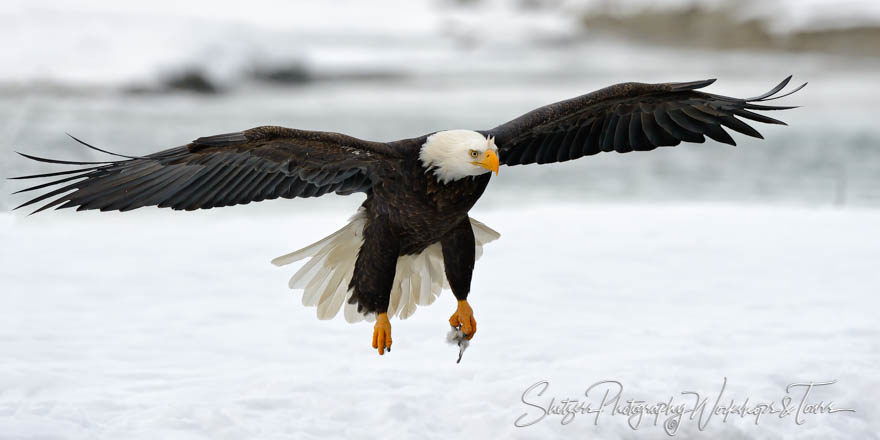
(324, 279)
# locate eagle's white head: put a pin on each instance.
(456, 154)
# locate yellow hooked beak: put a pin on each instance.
(489, 162)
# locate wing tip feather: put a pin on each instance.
(773, 93)
(692, 85)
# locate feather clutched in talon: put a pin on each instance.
(458, 337)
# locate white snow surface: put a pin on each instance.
(161, 325)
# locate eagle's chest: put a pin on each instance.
(456, 196)
(423, 210)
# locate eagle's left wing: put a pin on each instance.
(629, 117)
(230, 169)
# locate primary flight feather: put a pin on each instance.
(412, 235)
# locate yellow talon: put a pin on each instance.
(464, 316)
(382, 333)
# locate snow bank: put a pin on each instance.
(103, 44)
(161, 325)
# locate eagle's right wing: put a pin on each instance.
(229, 169)
(630, 117)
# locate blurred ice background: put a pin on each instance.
(135, 79)
(787, 225)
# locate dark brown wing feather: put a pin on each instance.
(229, 169)
(629, 117)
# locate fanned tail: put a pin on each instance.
(324, 279)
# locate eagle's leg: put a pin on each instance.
(373, 277)
(382, 333)
(464, 317)
(458, 258)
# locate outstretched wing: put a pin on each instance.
(629, 117)
(229, 169)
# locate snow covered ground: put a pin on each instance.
(157, 324)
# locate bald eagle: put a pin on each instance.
(412, 235)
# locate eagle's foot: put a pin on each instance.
(382, 333)
(464, 317)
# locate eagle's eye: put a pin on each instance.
(475, 154)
